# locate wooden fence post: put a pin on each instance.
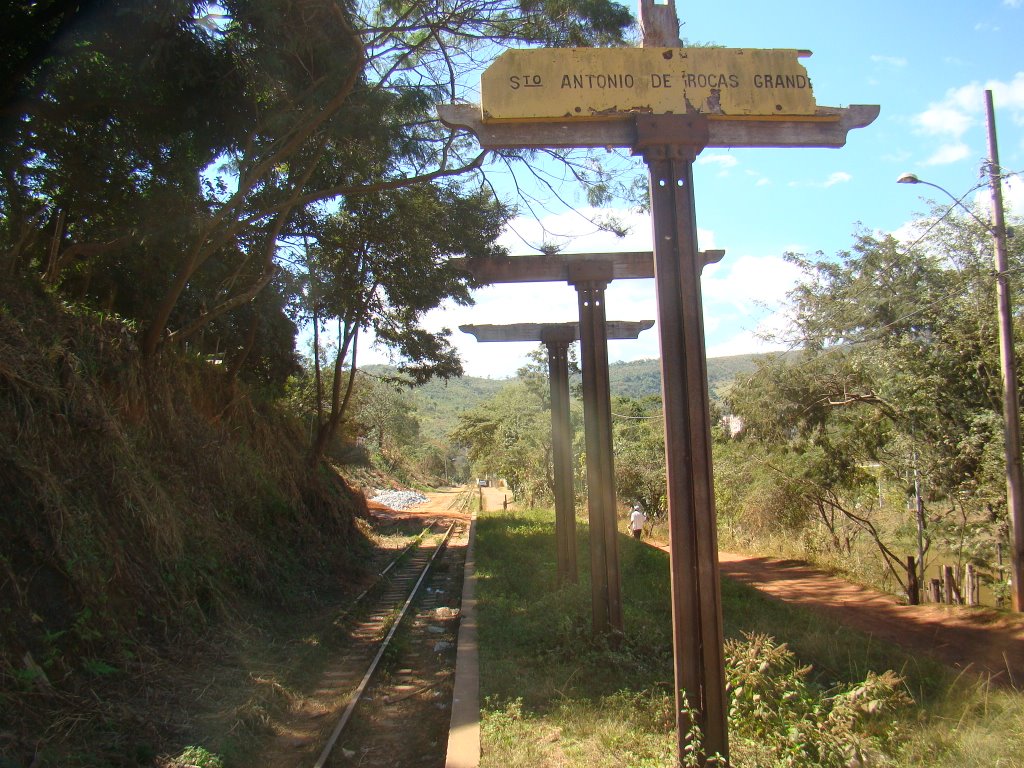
(936, 590)
(971, 585)
(952, 592)
(913, 587)
(1001, 572)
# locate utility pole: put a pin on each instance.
(1008, 364)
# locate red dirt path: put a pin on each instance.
(449, 504)
(984, 641)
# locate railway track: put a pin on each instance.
(386, 701)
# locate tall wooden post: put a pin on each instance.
(913, 585)
(557, 341)
(1008, 368)
(669, 144)
(668, 138)
(590, 282)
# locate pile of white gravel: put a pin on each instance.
(399, 499)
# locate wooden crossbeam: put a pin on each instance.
(565, 267)
(544, 332)
(828, 128)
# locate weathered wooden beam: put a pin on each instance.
(561, 456)
(545, 332)
(696, 600)
(659, 25)
(561, 267)
(606, 583)
(827, 128)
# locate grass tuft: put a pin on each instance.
(804, 690)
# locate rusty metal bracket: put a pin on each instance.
(676, 137)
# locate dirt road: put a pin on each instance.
(987, 642)
(449, 503)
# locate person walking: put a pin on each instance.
(636, 521)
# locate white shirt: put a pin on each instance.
(637, 520)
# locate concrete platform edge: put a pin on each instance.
(464, 732)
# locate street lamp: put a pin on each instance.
(1007, 358)
(912, 178)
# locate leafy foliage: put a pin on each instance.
(138, 511)
(157, 160)
(642, 378)
(509, 436)
(638, 440)
(898, 380)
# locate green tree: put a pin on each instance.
(509, 436)
(638, 440)
(156, 157)
(898, 379)
(384, 417)
(380, 263)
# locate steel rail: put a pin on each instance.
(361, 688)
(355, 602)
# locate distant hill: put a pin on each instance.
(439, 403)
(640, 378)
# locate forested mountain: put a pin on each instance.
(640, 378)
(437, 404)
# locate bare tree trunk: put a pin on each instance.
(52, 270)
(317, 375)
(339, 405)
(250, 342)
(893, 563)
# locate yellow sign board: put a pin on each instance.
(603, 83)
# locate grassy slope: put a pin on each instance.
(553, 697)
(137, 510)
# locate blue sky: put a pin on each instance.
(927, 64)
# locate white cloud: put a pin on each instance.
(958, 121)
(909, 231)
(723, 161)
(897, 156)
(750, 342)
(944, 119)
(1012, 3)
(963, 108)
(1013, 196)
(892, 61)
(948, 153)
(575, 232)
(741, 294)
(838, 177)
(746, 282)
